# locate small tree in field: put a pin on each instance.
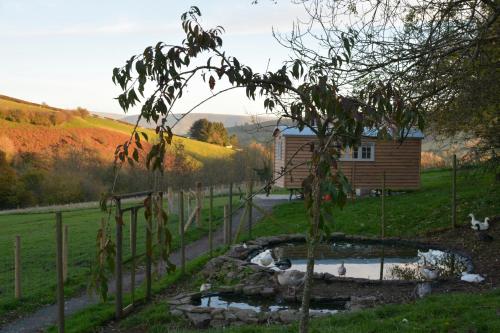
(306, 94)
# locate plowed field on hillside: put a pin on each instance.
(54, 141)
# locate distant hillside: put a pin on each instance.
(261, 132)
(31, 127)
(183, 126)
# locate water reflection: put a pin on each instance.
(356, 268)
(423, 289)
(366, 261)
(260, 304)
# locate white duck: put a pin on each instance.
(263, 259)
(205, 287)
(342, 270)
(291, 279)
(473, 278)
(478, 225)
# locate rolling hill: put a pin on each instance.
(42, 129)
(182, 127)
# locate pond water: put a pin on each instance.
(260, 304)
(368, 261)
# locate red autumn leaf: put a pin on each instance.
(211, 82)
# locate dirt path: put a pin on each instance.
(46, 316)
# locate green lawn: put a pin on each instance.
(407, 215)
(37, 233)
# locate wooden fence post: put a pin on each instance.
(149, 247)
(181, 231)
(382, 232)
(454, 193)
(230, 213)
(210, 212)
(65, 253)
(118, 262)
(227, 230)
(133, 250)
(159, 226)
(199, 203)
(60, 275)
(250, 207)
(170, 200)
(17, 267)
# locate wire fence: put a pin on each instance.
(37, 255)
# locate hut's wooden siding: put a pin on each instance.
(401, 163)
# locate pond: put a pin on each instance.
(372, 261)
(262, 304)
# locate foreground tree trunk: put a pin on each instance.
(311, 245)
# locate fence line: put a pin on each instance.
(62, 238)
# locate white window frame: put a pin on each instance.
(347, 155)
(278, 149)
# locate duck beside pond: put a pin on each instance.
(342, 270)
(291, 279)
(478, 225)
(473, 278)
(263, 259)
(283, 264)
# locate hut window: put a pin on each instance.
(365, 152)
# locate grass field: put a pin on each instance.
(408, 215)
(37, 233)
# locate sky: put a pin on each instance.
(62, 52)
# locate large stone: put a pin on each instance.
(267, 292)
(185, 307)
(288, 316)
(199, 320)
(337, 235)
(225, 290)
(176, 312)
(358, 303)
(218, 311)
(248, 316)
(193, 295)
(230, 316)
(202, 309)
(217, 323)
(238, 289)
(252, 290)
(180, 301)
